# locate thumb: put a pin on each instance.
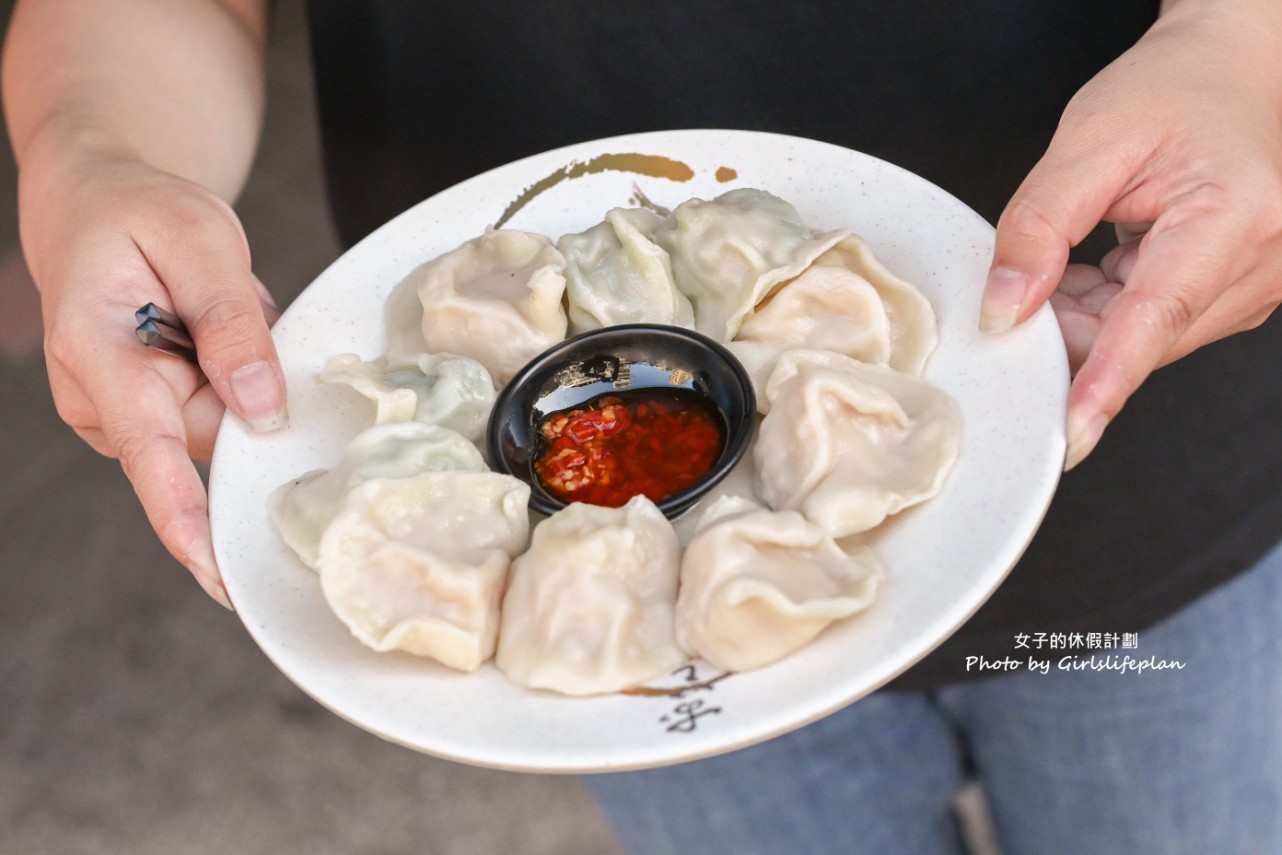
(1063, 198)
(227, 312)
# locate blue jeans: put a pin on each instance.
(1086, 761)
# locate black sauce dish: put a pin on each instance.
(612, 360)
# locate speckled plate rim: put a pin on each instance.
(943, 559)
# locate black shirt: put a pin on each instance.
(1182, 493)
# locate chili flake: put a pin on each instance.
(653, 442)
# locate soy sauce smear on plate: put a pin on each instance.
(654, 442)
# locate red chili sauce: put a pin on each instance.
(652, 442)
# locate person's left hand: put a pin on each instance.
(1180, 142)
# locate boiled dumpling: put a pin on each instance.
(914, 332)
(403, 320)
(757, 585)
(730, 253)
(440, 389)
(616, 274)
(418, 564)
(845, 302)
(758, 359)
(848, 443)
(301, 508)
(828, 308)
(589, 607)
(496, 299)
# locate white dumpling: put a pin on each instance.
(418, 564)
(848, 303)
(496, 299)
(403, 320)
(300, 509)
(616, 274)
(828, 308)
(439, 389)
(848, 443)
(758, 585)
(758, 359)
(914, 332)
(730, 253)
(589, 607)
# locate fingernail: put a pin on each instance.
(264, 294)
(219, 593)
(1003, 294)
(1083, 436)
(259, 396)
(207, 576)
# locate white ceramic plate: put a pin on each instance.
(943, 559)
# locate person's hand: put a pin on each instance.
(131, 124)
(103, 238)
(1180, 143)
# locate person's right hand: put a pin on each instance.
(1178, 142)
(103, 236)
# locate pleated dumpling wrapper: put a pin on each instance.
(418, 564)
(848, 444)
(437, 389)
(302, 508)
(589, 607)
(758, 585)
(848, 302)
(496, 299)
(616, 274)
(730, 253)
